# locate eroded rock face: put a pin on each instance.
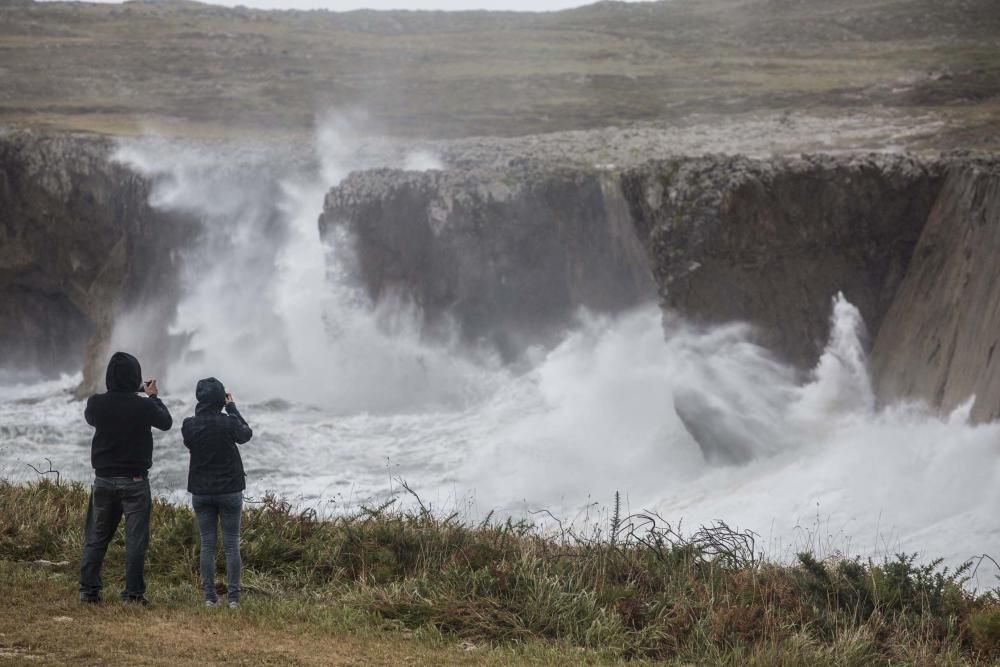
(78, 243)
(939, 339)
(772, 241)
(724, 238)
(911, 242)
(510, 255)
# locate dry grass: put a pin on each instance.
(636, 590)
(41, 623)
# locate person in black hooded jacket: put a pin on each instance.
(122, 454)
(216, 481)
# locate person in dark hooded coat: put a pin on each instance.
(122, 454)
(216, 480)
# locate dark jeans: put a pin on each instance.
(110, 498)
(211, 510)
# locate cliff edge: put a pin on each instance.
(79, 242)
(508, 255)
(939, 339)
(909, 240)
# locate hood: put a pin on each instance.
(211, 396)
(124, 373)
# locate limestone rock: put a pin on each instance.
(78, 242)
(509, 254)
(771, 241)
(939, 340)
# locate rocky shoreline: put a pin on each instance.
(725, 238)
(79, 244)
(509, 246)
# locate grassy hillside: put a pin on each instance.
(198, 69)
(384, 586)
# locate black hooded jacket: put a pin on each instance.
(123, 443)
(216, 465)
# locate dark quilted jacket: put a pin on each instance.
(213, 436)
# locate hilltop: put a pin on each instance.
(192, 69)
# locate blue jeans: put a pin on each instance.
(110, 499)
(210, 511)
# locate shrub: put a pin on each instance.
(984, 627)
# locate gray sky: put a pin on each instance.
(347, 5)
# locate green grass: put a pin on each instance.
(637, 590)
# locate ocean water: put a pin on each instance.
(348, 401)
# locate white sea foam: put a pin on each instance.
(345, 397)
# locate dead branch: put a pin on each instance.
(424, 509)
(979, 561)
(562, 529)
(50, 471)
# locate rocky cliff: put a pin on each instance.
(510, 255)
(78, 243)
(510, 252)
(910, 241)
(723, 238)
(771, 241)
(913, 243)
(938, 342)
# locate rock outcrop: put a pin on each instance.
(772, 241)
(511, 252)
(724, 238)
(910, 241)
(509, 255)
(78, 243)
(939, 339)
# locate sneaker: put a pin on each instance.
(88, 600)
(211, 604)
(233, 604)
(139, 601)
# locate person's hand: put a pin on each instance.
(229, 398)
(149, 386)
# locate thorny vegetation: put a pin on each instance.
(638, 589)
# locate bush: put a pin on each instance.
(984, 627)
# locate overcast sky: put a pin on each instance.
(347, 5)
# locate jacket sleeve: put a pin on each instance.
(90, 413)
(159, 415)
(241, 430)
(186, 432)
